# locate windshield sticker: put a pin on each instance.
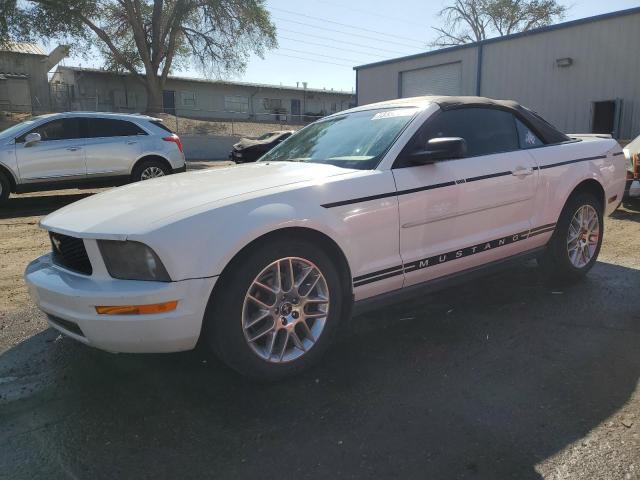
(401, 112)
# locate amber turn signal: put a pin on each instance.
(138, 309)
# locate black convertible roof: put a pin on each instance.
(548, 132)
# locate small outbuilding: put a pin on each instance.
(24, 82)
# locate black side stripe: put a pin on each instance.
(485, 177)
(358, 200)
(449, 256)
(542, 227)
(375, 279)
(379, 272)
(452, 183)
(618, 153)
(597, 157)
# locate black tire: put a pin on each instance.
(141, 167)
(223, 323)
(5, 188)
(555, 262)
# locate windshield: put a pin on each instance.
(355, 140)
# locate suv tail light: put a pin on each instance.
(175, 139)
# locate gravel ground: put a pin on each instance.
(503, 378)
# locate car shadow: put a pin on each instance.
(630, 210)
(26, 206)
(485, 380)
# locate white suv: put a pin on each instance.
(66, 150)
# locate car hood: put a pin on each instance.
(249, 142)
(143, 206)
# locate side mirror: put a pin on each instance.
(32, 138)
(443, 148)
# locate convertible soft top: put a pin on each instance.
(548, 132)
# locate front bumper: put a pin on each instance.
(236, 155)
(69, 297)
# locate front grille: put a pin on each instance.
(69, 252)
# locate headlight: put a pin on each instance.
(132, 261)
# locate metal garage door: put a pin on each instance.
(438, 80)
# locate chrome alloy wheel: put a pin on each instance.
(583, 236)
(151, 172)
(285, 309)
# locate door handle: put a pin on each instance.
(522, 172)
(73, 149)
(131, 142)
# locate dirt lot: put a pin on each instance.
(504, 378)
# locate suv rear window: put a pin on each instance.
(108, 127)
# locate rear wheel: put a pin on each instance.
(149, 169)
(274, 312)
(576, 242)
(5, 188)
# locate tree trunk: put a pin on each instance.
(154, 88)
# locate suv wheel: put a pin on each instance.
(576, 242)
(5, 188)
(276, 310)
(149, 169)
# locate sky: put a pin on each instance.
(320, 41)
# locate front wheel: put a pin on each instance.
(274, 312)
(575, 244)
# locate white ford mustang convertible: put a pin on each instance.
(261, 262)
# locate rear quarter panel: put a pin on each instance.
(563, 167)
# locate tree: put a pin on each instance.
(148, 38)
(467, 21)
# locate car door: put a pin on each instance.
(112, 146)
(59, 155)
(459, 213)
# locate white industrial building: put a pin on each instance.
(583, 76)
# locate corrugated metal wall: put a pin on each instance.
(606, 66)
(383, 82)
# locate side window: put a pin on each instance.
(61, 129)
(108, 127)
(485, 130)
(527, 138)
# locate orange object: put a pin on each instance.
(138, 309)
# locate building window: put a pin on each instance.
(272, 103)
(334, 107)
(188, 99)
(236, 103)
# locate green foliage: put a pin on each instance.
(467, 21)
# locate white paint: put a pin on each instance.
(197, 222)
